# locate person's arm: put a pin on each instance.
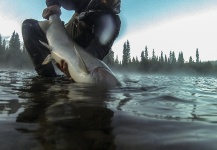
(66, 4)
(106, 31)
(52, 2)
(53, 7)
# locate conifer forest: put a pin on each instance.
(13, 55)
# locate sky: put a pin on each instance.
(162, 25)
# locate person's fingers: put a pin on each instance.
(55, 9)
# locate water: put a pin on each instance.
(149, 112)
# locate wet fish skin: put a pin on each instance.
(82, 66)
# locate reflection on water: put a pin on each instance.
(147, 112)
(70, 116)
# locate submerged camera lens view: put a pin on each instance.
(108, 75)
(154, 112)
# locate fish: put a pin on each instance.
(83, 67)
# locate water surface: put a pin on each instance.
(149, 112)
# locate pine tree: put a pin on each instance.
(126, 54)
(165, 59)
(197, 56)
(128, 51)
(1, 49)
(124, 57)
(12, 42)
(161, 57)
(142, 57)
(173, 58)
(14, 54)
(137, 60)
(170, 58)
(116, 60)
(133, 60)
(153, 55)
(129, 61)
(154, 58)
(191, 60)
(17, 42)
(0, 43)
(146, 53)
(181, 58)
(4, 45)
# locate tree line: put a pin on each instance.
(160, 64)
(12, 54)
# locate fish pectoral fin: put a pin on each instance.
(81, 63)
(47, 60)
(46, 45)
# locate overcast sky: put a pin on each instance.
(162, 25)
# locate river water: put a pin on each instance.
(149, 112)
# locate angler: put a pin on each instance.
(94, 26)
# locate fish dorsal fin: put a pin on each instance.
(47, 60)
(81, 63)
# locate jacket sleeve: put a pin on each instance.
(106, 29)
(53, 2)
(66, 4)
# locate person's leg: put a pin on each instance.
(32, 34)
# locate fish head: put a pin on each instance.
(103, 76)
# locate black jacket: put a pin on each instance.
(91, 41)
(77, 5)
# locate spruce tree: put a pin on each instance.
(133, 60)
(14, 55)
(165, 59)
(126, 53)
(197, 56)
(170, 58)
(137, 60)
(154, 58)
(181, 58)
(146, 53)
(1, 49)
(116, 60)
(124, 57)
(4, 45)
(173, 58)
(17, 42)
(0, 43)
(142, 57)
(12, 42)
(190, 60)
(161, 57)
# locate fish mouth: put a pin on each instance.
(104, 76)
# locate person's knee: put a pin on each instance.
(28, 23)
(28, 27)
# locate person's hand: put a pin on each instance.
(55, 9)
(63, 66)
